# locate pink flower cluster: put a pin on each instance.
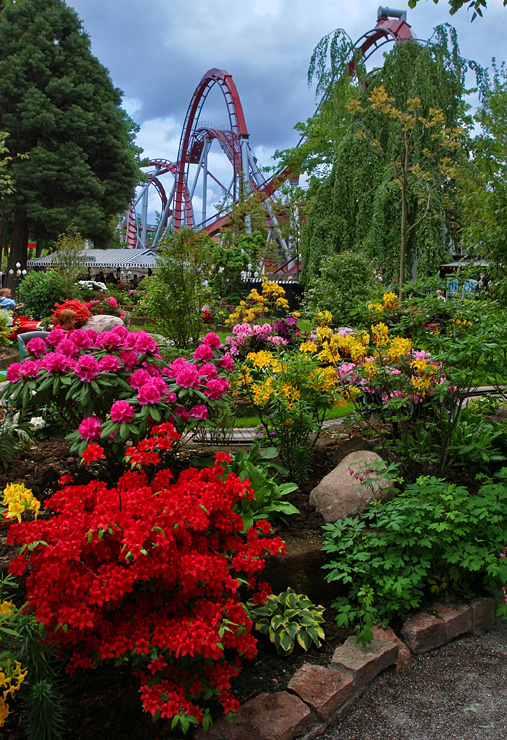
(245, 334)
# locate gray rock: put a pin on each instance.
(345, 490)
(103, 322)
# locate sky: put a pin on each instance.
(157, 51)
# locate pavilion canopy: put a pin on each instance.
(112, 259)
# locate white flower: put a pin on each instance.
(36, 422)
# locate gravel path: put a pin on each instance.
(458, 692)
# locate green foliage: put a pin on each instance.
(40, 291)
(358, 206)
(40, 694)
(268, 503)
(346, 281)
(230, 261)
(434, 537)
(5, 330)
(14, 437)
(60, 109)
(67, 261)
(288, 618)
(176, 292)
(484, 178)
(455, 5)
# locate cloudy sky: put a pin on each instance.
(157, 51)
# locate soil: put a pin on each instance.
(105, 701)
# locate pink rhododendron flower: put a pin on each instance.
(68, 348)
(56, 362)
(113, 302)
(182, 413)
(203, 353)
(130, 360)
(87, 368)
(109, 340)
(109, 364)
(145, 342)
(208, 370)
(13, 372)
(90, 428)
(171, 398)
(226, 362)
(36, 346)
(83, 338)
(29, 369)
(187, 376)
(139, 378)
(212, 340)
(122, 411)
(199, 412)
(55, 336)
(215, 388)
(148, 394)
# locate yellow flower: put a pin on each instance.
(380, 334)
(307, 347)
(19, 499)
(390, 300)
(399, 347)
(7, 607)
(324, 333)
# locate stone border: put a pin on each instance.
(316, 697)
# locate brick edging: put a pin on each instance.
(316, 696)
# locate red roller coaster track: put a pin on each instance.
(196, 139)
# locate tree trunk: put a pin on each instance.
(38, 247)
(19, 247)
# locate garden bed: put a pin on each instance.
(106, 700)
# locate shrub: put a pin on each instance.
(112, 386)
(433, 538)
(40, 291)
(149, 571)
(81, 310)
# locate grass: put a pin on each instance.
(337, 412)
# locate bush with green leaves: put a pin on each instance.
(287, 619)
(40, 291)
(176, 292)
(268, 503)
(434, 538)
(14, 436)
(346, 281)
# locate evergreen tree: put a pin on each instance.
(75, 160)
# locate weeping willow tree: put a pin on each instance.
(358, 206)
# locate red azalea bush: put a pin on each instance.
(114, 385)
(81, 309)
(149, 571)
(108, 306)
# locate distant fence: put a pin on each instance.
(293, 291)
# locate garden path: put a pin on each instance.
(457, 692)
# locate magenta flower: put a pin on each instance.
(68, 348)
(122, 411)
(187, 376)
(226, 362)
(56, 362)
(36, 346)
(109, 340)
(199, 412)
(145, 343)
(121, 331)
(90, 428)
(130, 360)
(149, 394)
(208, 370)
(203, 353)
(212, 340)
(13, 372)
(139, 378)
(83, 338)
(113, 302)
(215, 388)
(182, 413)
(29, 369)
(109, 364)
(55, 336)
(87, 368)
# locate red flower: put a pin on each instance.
(92, 453)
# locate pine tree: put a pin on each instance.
(73, 160)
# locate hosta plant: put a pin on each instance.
(287, 619)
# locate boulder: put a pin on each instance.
(103, 322)
(351, 486)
